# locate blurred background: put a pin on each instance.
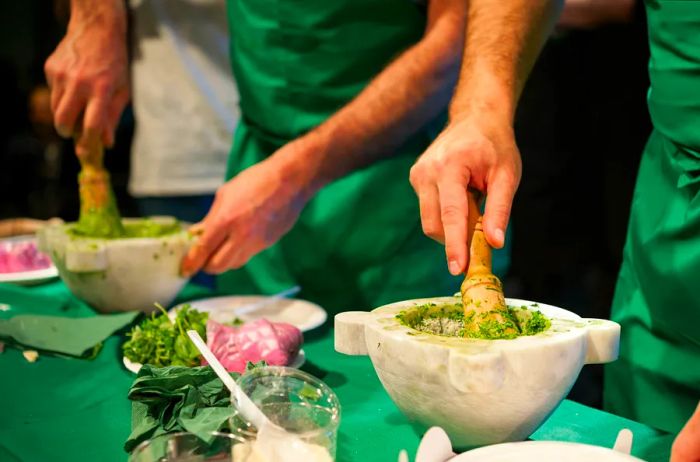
(581, 127)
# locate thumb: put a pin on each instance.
(207, 240)
(499, 201)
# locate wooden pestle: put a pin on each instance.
(482, 292)
(99, 215)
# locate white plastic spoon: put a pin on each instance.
(244, 404)
(273, 442)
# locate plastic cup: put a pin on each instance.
(294, 400)
(187, 447)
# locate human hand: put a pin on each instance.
(686, 447)
(88, 76)
(476, 152)
(251, 212)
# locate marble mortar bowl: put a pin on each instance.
(121, 274)
(480, 391)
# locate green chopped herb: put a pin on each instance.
(160, 341)
(449, 319)
(235, 322)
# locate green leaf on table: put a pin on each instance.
(80, 337)
(171, 399)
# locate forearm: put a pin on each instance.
(404, 97)
(503, 40)
(101, 13)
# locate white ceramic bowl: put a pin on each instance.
(480, 391)
(118, 274)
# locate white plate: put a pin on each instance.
(543, 451)
(27, 278)
(300, 313)
(136, 367)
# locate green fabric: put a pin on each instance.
(67, 410)
(24, 300)
(298, 62)
(674, 69)
(657, 379)
(358, 244)
(68, 335)
(171, 399)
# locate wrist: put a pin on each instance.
(109, 15)
(300, 163)
(483, 97)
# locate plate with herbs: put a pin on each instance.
(161, 339)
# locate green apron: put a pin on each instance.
(358, 244)
(657, 301)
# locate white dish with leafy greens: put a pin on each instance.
(161, 340)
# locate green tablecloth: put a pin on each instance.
(60, 409)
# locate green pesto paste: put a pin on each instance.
(99, 214)
(132, 229)
(448, 319)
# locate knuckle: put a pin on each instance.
(431, 229)
(415, 174)
(81, 80)
(61, 117)
(49, 68)
(440, 167)
(451, 213)
(56, 74)
(102, 86)
(76, 78)
(203, 246)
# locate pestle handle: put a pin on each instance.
(481, 290)
(99, 215)
(479, 248)
(90, 154)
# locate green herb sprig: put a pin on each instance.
(160, 341)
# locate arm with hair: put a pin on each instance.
(478, 149)
(409, 93)
(261, 204)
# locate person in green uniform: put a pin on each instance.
(657, 300)
(338, 100)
